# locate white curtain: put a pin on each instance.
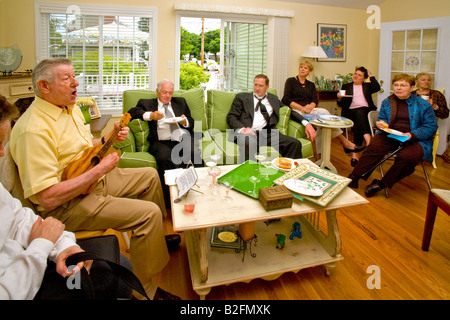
(278, 52)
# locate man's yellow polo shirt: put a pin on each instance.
(44, 141)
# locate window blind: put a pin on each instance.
(111, 48)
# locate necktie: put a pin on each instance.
(261, 106)
(169, 115)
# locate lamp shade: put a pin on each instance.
(314, 52)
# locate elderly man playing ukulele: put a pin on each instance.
(50, 136)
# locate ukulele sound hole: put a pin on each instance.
(95, 161)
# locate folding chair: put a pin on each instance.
(373, 118)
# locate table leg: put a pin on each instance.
(324, 161)
(331, 242)
(201, 251)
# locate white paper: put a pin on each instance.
(186, 181)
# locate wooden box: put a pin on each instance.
(276, 197)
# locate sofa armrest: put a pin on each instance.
(127, 145)
(296, 130)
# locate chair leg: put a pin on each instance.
(426, 175)
(429, 221)
(386, 192)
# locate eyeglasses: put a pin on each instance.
(401, 85)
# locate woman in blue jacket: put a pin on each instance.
(409, 114)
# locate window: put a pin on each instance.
(111, 52)
(245, 54)
(414, 51)
(253, 40)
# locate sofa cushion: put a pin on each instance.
(194, 99)
(137, 160)
(283, 122)
(219, 104)
(140, 130)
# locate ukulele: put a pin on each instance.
(93, 155)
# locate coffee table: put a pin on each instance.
(211, 266)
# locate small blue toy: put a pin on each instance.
(281, 239)
(296, 231)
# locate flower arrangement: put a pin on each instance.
(85, 104)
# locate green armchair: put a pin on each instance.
(210, 127)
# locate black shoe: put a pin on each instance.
(373, 188)
(354, 183)
(164, 295)
(356, 150)
(172, 241)
(354, 162)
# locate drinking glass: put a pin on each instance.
(212, 160)
(260, 157)
(254, 180)
(229, 184)
(214, 172)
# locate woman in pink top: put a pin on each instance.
(356, 105)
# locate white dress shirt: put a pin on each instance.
(22, 264)
(162, 127)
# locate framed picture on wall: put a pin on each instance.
(333, 40)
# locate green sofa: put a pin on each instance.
(210, 126)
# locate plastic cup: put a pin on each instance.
(189, 207)
(342, 92)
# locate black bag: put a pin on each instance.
(105, 281)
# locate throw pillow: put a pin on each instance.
(140, 131)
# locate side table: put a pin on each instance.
(327, 127)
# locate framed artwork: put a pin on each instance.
(333, 40)
(94, 111)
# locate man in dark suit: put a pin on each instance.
(253, 116)
(171, 135)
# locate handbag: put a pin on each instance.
(105, 281)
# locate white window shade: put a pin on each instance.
(111, 51)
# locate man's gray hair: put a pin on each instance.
(160, 83)
(44, 70)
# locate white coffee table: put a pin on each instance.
(212, 267)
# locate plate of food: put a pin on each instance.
(329, 117)
(283, 164)
(173, 120)
(394, 132)
(303, 187)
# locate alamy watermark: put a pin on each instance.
(374, 280)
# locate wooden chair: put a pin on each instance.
(436, 198)
(373, 117)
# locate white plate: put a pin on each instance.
(329, 117)
(173, 120)
(395, 132)
(302, 187)
(274, 164)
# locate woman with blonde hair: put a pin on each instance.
(301, 96)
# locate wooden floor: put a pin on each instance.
(386, 233)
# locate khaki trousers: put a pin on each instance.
(126, 199)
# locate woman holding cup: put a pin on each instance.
(434, 97)
(356, 103)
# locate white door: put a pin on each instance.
(417, 46)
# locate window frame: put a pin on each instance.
(41, 26)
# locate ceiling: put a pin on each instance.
(355, 4)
